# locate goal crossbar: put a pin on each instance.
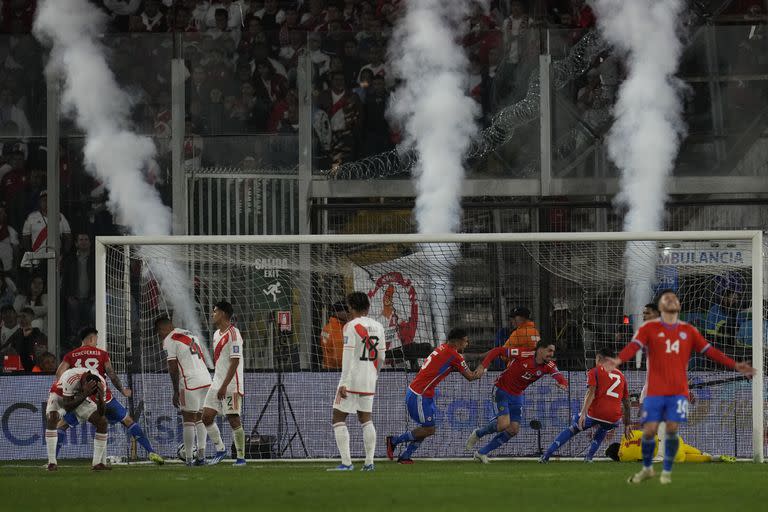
(755, 237)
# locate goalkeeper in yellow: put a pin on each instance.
(629, 450)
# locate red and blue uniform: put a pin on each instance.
(669, 348)
(520, 373)
(419, 399)
(95, 359)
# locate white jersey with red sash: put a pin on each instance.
(228, 345)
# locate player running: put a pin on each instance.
(80, 392)
(225, 395)
(419, 399)
(361, 361)
(508, 393)
(190, 380)
(89, 356)
(607, 394)
(669, 343)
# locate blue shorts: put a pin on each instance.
(505, 403)
(114, 411)
(591, 422)
(421, 409)
(665, 408)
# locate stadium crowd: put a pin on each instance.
(241, 60)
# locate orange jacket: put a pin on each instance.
(332, 341)
(524, 338)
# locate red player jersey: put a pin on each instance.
(521, 372)
(92, 358)
(442, 361)
(610, 390)
(669, 348)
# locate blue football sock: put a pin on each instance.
(135, 431)
(402, 438)
(490, 428)
(412, 447)
(597, 440)
(498, 440)
(60, 435)
(647, 446)
(671, 445)
(563, 438)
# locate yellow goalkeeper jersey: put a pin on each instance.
(631, 451)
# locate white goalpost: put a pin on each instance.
(585, 290)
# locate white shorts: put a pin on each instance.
(232, 403)
(191, 400)
(83, 411)
(353, 403)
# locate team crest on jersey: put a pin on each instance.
(538, 373)
(683, 335)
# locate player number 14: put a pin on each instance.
(673, 347)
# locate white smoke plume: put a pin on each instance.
(648, 127)
(113, 152)
(433, 106)
(439, 120)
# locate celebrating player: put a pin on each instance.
(225, 395)
(419, 399)
(80, 392)
(186, 366)
(89, 356)
(669, 343)
(363, 357)
(508, 393)
(607, 394)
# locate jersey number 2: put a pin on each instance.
(370, 348)
(616, 383)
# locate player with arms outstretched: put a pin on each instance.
(89, 356)
(508, 390)
(419, 399)
(225, 395)
(361, 361)
(606, 402)
(190, 380)
(81, 392)
(669, 343)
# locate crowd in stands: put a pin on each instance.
(242, 70)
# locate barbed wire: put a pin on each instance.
(503, 125)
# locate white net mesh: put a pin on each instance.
(283, 296)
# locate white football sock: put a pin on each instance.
(99, 447)
(202, 438)
(662, 434)
(51, 440)
(189, 440)
(215, 435)
(341, 434)
(238, 436)
(369, 441)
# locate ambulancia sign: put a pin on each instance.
(698, 257)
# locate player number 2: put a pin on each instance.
(673, 347)
(616, 383)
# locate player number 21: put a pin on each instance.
(673, 347)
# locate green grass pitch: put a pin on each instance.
(423, 487)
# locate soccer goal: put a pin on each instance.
(584, 290)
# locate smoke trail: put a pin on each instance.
(646, 134)
(113, 153)
(433, 106)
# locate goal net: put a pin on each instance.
(585, 291)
